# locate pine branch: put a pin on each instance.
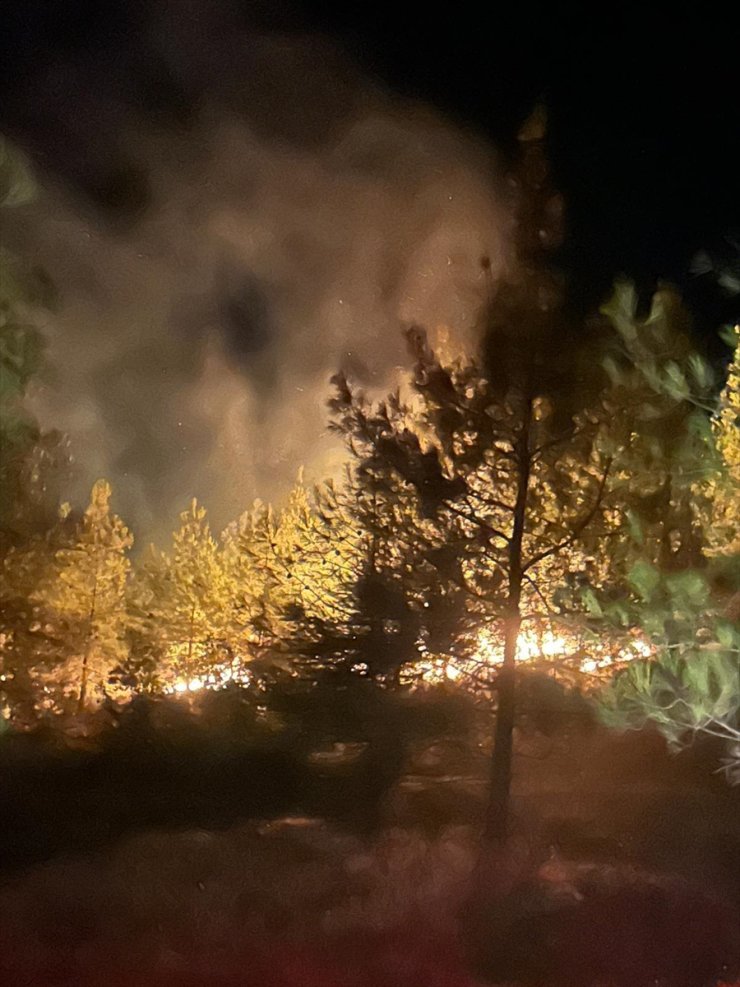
(578, 529)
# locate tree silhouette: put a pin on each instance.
(514, 477)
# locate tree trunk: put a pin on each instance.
(497, 819)
(189, 659)
(497, 816)
(82, 698)
(84, 674)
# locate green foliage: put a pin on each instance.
(33, 642)
(356, 613)
(142, 668)
(691, 684)
(723, 487)
(679, 522)
(684, 691)
(645, 579)
(182, 603)
(290, 566)
(84, 590)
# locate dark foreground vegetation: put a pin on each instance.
(182, 847)
(209, 762)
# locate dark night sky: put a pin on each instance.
(645, 134)
(645, 117)
(256, 165)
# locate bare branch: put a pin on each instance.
(552, 443)
(495, 532)
(578, 529)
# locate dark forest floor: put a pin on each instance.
(624, 871)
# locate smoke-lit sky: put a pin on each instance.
(236, 199)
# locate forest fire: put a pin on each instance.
(585, 654)
(214, 680)
(369, 551)
(543, 648)
(218, 675)
(536, 647)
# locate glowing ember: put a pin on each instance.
(219, 677)
(575, 653)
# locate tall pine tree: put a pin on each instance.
(184, 599)
(511, 475)
(85, 590)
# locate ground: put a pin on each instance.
(624, 871)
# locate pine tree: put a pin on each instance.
(724, 534)
(516, 477)
(85, 590)
(690, 686)
(185, 600)
(257, 576)
(145, 665)
(386, 591)
(289, 576)
(494, 501)
(313, 553)
(33, 642)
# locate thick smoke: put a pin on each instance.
(292, 226)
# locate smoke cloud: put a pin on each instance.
(288, 224)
